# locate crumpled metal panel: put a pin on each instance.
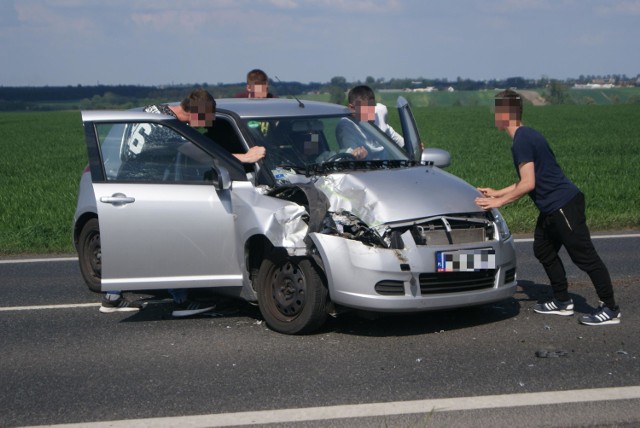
(394, 195)
(288, 228)
(348, 194)
(279, 220)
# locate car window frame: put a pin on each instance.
(219, 155)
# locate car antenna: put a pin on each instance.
(300, 104)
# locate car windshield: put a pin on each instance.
(317, 143)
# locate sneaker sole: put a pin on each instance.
(613, 321)
(106, 310)
(179, 314)
(562, 313)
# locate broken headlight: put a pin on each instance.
(349, 226)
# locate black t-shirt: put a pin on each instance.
(553, 189)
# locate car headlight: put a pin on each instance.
(501, 224)
(349, 226)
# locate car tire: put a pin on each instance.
(292, 294)
(90, 255)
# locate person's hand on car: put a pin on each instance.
(360, 153)
(254, 154)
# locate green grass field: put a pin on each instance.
(43, 154)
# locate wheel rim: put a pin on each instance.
(288, 289)
(94, 252)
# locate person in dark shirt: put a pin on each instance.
(561, 221)
(198, 110)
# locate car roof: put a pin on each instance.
(245, 108)
(278, 107)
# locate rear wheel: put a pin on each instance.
(90, 255)
(292, 295)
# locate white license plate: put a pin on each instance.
(466, 260)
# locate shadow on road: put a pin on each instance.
(361, 323)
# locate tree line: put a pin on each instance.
(127, 96)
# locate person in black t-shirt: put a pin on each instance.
(198, 110)
(561, 221)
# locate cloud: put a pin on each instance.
(47, 17)
(626, 7)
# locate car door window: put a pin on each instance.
(151, 152)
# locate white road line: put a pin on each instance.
(71, 259)
(74, 259)
(82, 305)
(631, 235)
(33, 308)
(52, 259)
(376, 409)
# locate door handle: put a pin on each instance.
(117, 199)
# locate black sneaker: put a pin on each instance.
(602, 316)
(189, 308)
(119, 305)
(555, 307)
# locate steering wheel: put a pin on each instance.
(341, 157)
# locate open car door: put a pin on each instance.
(412, 142)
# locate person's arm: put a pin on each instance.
(351, 139)
(493, 193)
(381, 122)
(499, 198)
(254, 154)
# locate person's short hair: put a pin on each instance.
(511, 99)
(257, 77)
(198, 97)
(362, 95)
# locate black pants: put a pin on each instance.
(568, 227)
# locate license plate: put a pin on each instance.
(466, 260)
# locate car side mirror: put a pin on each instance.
(440, 158)
(220, 177)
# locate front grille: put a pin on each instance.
(452, 230)
(390, 288)
(456, 282)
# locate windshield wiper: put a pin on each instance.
(369, 165)
(297, 168)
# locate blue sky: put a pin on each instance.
(154, 42)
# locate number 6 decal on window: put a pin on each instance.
(138, 138)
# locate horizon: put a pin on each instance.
(387, 81)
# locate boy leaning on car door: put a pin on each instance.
(561, 221)
(197, 109)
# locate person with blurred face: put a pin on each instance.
(561, 221)
(361, 101)
(257, 85)
(198, 109)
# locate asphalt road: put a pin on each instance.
(62, 362)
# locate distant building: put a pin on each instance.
(427, 89)
(594, 86)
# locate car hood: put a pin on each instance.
(397, 195)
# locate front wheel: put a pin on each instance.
(292, 295)
(90, 255)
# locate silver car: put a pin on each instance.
(306, 232)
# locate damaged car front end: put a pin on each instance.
(394, 249)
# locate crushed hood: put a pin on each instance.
(386, 196)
